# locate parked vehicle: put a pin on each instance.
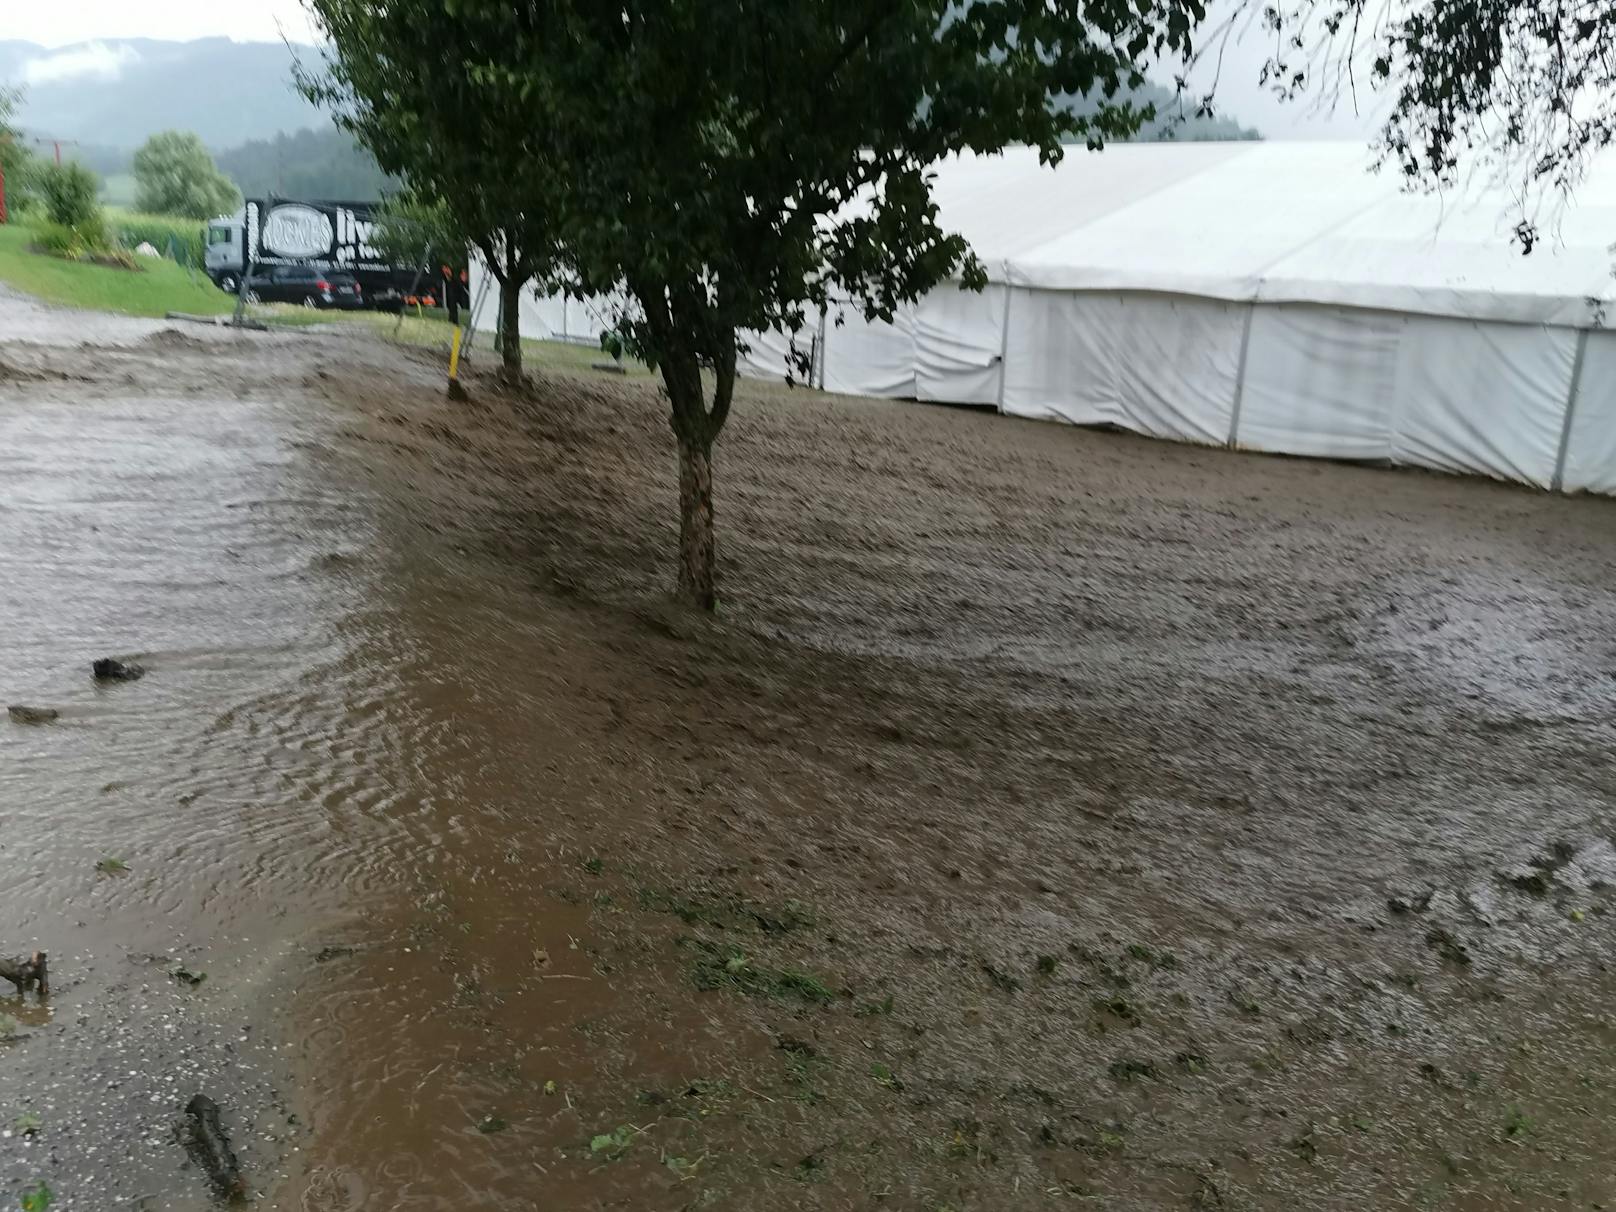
(222, 257)
(308, 285)
(333, 237)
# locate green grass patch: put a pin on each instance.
(612, 1145)
(430, 328)
(1130, 1069)
(725, 912)
(158, 287)
(728, 968)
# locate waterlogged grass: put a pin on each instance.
(727, 912)
(430, 329)
(729, 968)
(157, 288)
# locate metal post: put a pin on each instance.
(1004, 344)
(1558, 483)
(824, 348)
(415, 286)
(1240, 378)
(250, 216)
(476, 311)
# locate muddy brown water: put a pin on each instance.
(1024, 832)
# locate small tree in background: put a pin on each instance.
(70, 191)
(395, 77)
(175, 175)
(730, 164)
(16, 162)
(410, 228)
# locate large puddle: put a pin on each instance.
(1015, 838)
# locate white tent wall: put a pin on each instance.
(1320, 381)
(768, 355)
(946, 349)
(1158, 365)
(1452, 395)
(871, 358)
(1272, 296)
(958, 341)
(542, 317)
(1590, 464)
(1488, 399)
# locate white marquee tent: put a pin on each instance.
(1270, 296)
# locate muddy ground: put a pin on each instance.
(1047, 819)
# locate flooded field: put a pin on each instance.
(1047, 818)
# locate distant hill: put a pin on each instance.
(324, 163)
(117, 92)
(106, 97)
(1174, 121)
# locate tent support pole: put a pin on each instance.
(1240, 378)
(1558, 483)
(824, 315)
(1004, 343)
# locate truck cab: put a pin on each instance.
(222, 256)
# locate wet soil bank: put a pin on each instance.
(1047, 818)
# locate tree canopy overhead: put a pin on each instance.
(1523, 90)
(398, 77)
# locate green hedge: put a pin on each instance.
(130, 229)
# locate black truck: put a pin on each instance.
(328, 235)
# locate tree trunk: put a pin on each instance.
(698, 554)
(684, 330)
(510, 326)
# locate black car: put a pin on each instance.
(308, 285)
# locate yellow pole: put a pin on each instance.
(454, 354)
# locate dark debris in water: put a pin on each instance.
(21, 714)
(1449, 946)
(111, 669)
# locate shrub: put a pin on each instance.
(57, 240)
(86, 241)
(70, 193)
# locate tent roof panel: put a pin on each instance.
(1292, 222)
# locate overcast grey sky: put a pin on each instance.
(71, 21)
